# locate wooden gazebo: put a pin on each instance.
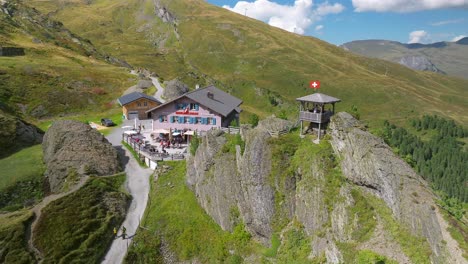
(313, 108)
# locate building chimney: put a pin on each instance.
(210, 95)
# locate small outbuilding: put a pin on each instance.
(134, 105)
(315, 108)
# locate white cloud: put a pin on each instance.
(318, 27)
(293, 18)
(446, 22)
(405, 5)
(457, 38)
(418, 36)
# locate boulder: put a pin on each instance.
(144, 84)
(174, 89)
(73, 150)
(274, 124)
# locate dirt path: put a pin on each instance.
(159, 89)
(37, 210)
(137, 185)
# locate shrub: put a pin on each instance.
(253, 120)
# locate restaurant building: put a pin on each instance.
(199, 110)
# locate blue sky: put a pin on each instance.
(340, 21)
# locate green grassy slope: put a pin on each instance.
(79, 227)
(21, 166)
(452, 58)
(61, 73)
(256, 62)
(21, 178)
(13, 242)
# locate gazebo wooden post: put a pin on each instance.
(300, 109)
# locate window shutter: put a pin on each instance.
(196, 107)
(160, 119)
(181, 119)
(213, 120)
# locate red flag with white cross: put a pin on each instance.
(314, 84)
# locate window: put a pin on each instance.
(163, 118)
(145, 103)
(187, 120)
(194, 106)
(139, 104)
(198, 120)
(209, 121)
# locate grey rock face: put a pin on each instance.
(228, 184)
(212, 177)
(257, 203)
(367, 161)
(16, 133)
(174, 89)
(274, 124)
(419, 63)
(74, 148)
(163, 13)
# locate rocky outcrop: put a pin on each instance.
(420, 63)
(174, 89)
(274, 124)
(72, 150)
(231, 186)
(269, 189)
(367, 161)
(16, 133)
(163, 13)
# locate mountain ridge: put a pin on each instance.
(444, 57)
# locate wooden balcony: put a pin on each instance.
(315, 117)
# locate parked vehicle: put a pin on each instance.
(107, 122)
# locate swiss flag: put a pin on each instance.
(314, 84)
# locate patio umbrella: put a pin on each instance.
(176, 133)
(161, 131)
(189, 133)
(130, 132)
(127, 127)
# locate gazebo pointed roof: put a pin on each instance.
(318, 98)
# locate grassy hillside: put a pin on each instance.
(61, 74)
(78, 227)
(21, 178)
(13, 242)
(450, 57)
(265, 66)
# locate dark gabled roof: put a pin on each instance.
(220, 101)
(131, 97)
(319, 98)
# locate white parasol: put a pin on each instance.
(160, 131)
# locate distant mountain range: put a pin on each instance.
(449, 58)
